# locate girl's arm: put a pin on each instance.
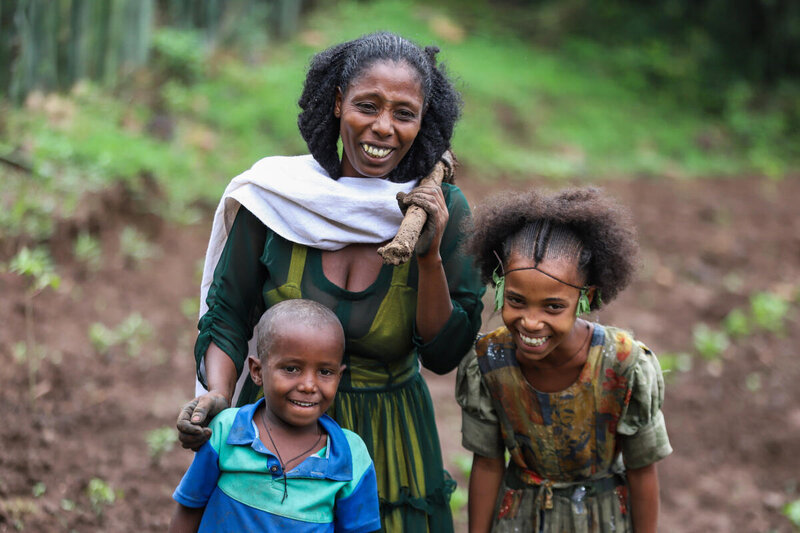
(186, 519)
(643, 484)
(484, 484)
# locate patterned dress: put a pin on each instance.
(566, 448)
(382, 396)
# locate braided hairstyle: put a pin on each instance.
(583, 225)
(341, 65)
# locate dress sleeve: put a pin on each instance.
(480, 427)
(235, 301)
(641, 425)
(443, 353)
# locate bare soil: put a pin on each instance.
(707, 246)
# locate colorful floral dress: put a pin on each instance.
(382, 396)
(566, 470)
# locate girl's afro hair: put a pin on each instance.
(607, 235)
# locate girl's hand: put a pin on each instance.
(431, 199)
(196, 415)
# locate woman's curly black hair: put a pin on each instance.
(341, 65)
(582, 223)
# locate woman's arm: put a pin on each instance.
(484, 484)
(433, 294)
(186, 519)
(644, 498)
(449, 289)
(195, 415)
(234, 305)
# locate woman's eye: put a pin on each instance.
(366, 107)
(405, 115)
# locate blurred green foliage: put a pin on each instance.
(552, 89)
(709, 343)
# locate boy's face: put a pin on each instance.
(538, 310)
(301, 374)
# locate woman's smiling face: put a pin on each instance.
(380, 115)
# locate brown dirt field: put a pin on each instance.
(707, 246)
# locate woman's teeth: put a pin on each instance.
(533, 341)
(374, 151)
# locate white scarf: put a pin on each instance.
(297, 199)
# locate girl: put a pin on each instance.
(576, 404)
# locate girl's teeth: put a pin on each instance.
(533, 341)
(374, 151)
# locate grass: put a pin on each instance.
(561, 113)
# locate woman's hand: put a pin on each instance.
(430, 199)
(195, 416)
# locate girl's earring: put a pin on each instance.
(583, 304)
(499, 288)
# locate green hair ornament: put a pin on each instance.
(499, 288)
(584, 306)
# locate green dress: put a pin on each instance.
(382, 396)
(566, 448)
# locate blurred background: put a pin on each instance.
(121, 122)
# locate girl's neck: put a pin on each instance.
(555, 374)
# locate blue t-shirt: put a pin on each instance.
(240, 482)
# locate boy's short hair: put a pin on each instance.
(298, 311)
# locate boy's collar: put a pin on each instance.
(337, 463)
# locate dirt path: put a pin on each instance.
(734, 424)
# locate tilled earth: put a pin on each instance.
(78, 446)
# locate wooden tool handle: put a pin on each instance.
(400, 249)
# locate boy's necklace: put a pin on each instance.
(280, 459)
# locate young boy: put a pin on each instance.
(282, 464)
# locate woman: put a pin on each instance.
(310, 226)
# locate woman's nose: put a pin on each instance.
(382, 125)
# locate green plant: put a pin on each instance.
(769, 311)
(67, 505)
(753, 382)
(463, 462)
(737, 323)
(37, 266)
(675, 362)
(160, 441)
(135, 247)
(88, 251)
(39, 489)
(130, 334)
(792, 511)
(190, 307)
(708, 342)
(100, 494)
(458, 500)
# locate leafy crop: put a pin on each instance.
(100, 494)
(88, 251)
(709, 343)
(37, 266)
(769, 311)
(160, 441)
(130, 335)
(792, 511)
(135, 248)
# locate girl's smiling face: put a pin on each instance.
(540, 311)
(380, 116)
